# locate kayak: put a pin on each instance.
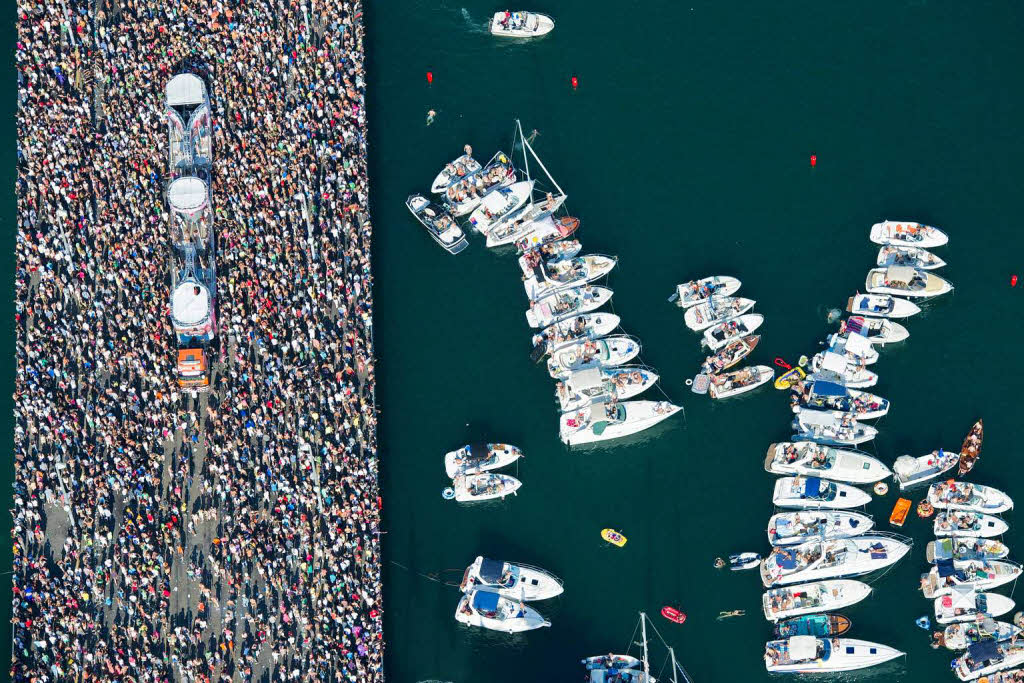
(613, 537)
(672, 614)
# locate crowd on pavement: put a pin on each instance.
(162, 534)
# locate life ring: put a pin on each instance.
(448, 493)
(689, 382)
(881, 488)
(925, 509)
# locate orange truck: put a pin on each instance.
(194, 369)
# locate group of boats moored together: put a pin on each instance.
(820, 545)
(495, 593)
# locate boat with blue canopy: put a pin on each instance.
(487, 609)
(511, 580)
(823, 394)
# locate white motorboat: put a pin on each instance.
(546, 231)
(571, 330)
(907, 234)
(986, 658)
(965, 604)
(475, 458)
(904, 281)
(841, 429)
(855, 348)
(793, 528)
(724, 332)
(554, 276)
(438, 221)
(697, 291)
(472, 488)
(915, 257)
(881, 306)
(946, 575)
(586, 386)
(551, 252)
(810, 654)
(968, 524)
(836, 559)
(961, 495)
(500, 204)
(715, 310)
(740, 381)
(834, 396)
(730, 354)
(599, 353)
(525, 221)
(879, 331)
(817, 460)
(466, 195)
(454, 171)
(812, 492)
(960, 636)
(511, 580)
(489, 610)
(566, 304)
(910, 471)
(520, 24)
(969, 548)
(605, 420)
(811, 598)
(834, 367)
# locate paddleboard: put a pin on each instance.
(613, 537)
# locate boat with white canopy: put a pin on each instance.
(571, 330)
(715, 310)
(881, 306)
(910, 471)
(565, 304)
(855, 348)
(550, 277)
(475, 458)
(915, 257)
(619, 383)
(454, 171)
(809, 654)
(834, 367)
(961, 495)
(520, 24)
(813, 492)
(812, 598)
(489, 610)
(466, 194)
(879, 331)
(834, 559)
(904, 281)
(964, 524)
(720, 334)
(841, 429)
(812, 459)
(960, 636)
(598, 353)
(606, 420)
(907, 234)
(965, 604)
(472, 488)
(793, 528)
(835, 396)
(729, 384)
(513, 580)
(439, 222)
(697, 291)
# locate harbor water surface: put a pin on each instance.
(685, 151)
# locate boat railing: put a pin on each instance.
(539, 569)
(892, 536)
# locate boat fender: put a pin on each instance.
(448, 493)
(881, 488)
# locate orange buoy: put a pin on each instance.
(1013, 280)
(575, 82)
(814, 160)
(430, 77)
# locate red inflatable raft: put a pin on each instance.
(672, 614)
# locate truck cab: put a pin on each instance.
(193, 369)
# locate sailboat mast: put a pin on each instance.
(643, 630)
(672, 653)
(522, 138)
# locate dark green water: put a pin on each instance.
(685, 151)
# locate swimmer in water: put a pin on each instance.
(733, 613)
(430, 116)
(719, 563)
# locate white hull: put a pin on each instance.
(453, 172)
(722, 333)
(794, 528)
(791, 492)
(1011, 655)
(955, 636)
(562, 334)
(826, 655)
(639, 415)
(696, 291)
(500, 204)
(909, 471)
(619, 383)
(810, 598)
(983, 499)
(837, 559)
(585, 269)
(601, 353)
(915, 257)
(441, 227)
(861, 405)
(994, 573)
(524, 223)
(832, 367)
(511, 580)
(475, 488)
(566, 304)
(882, 306)
(816, 460)
(838, 346)
(965, 605)
(500, 455)
(968, 524)
(907, 234)
(827, 427)
(509, 616)
(702, 316)
(882, 331)
(879, 281)
(762, 374)
(466, 195)
(532, 25)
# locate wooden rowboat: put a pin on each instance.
(970, 451)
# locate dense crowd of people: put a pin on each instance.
(159, 534)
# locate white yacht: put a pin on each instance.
(454, 171)
(550, 277)
(988, 657)
(475, 458)
(511, 580)
(619, 383)
(599, 353)
(794, 528)
(605, 420)
(817, 460)
(841, 429)
(438, 221)
(729, 384)
(715, 310)
(881, 306)
(835, 559)
(915, 257)
(466, 194)
(810, 654)
(490, 610)
(722, 333)
(572, 330)
(979, 574)
(960, 635)
(910, 471)
(696, 291)
(880, 331)
(968, 524)
(907, 234)
(812, 492)
(835, 367)
(904, 281)
(523, 222)
(835, 396)
(471, 488)
(500, 204)
(812, 598)
(961, 495)
(566, 304)
(520, 24)
(965, 604)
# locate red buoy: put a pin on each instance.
(1013, 280)
(430, 77)
(814, 160)
(575, 82)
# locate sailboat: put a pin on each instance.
(624, 668)
(538, 211)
